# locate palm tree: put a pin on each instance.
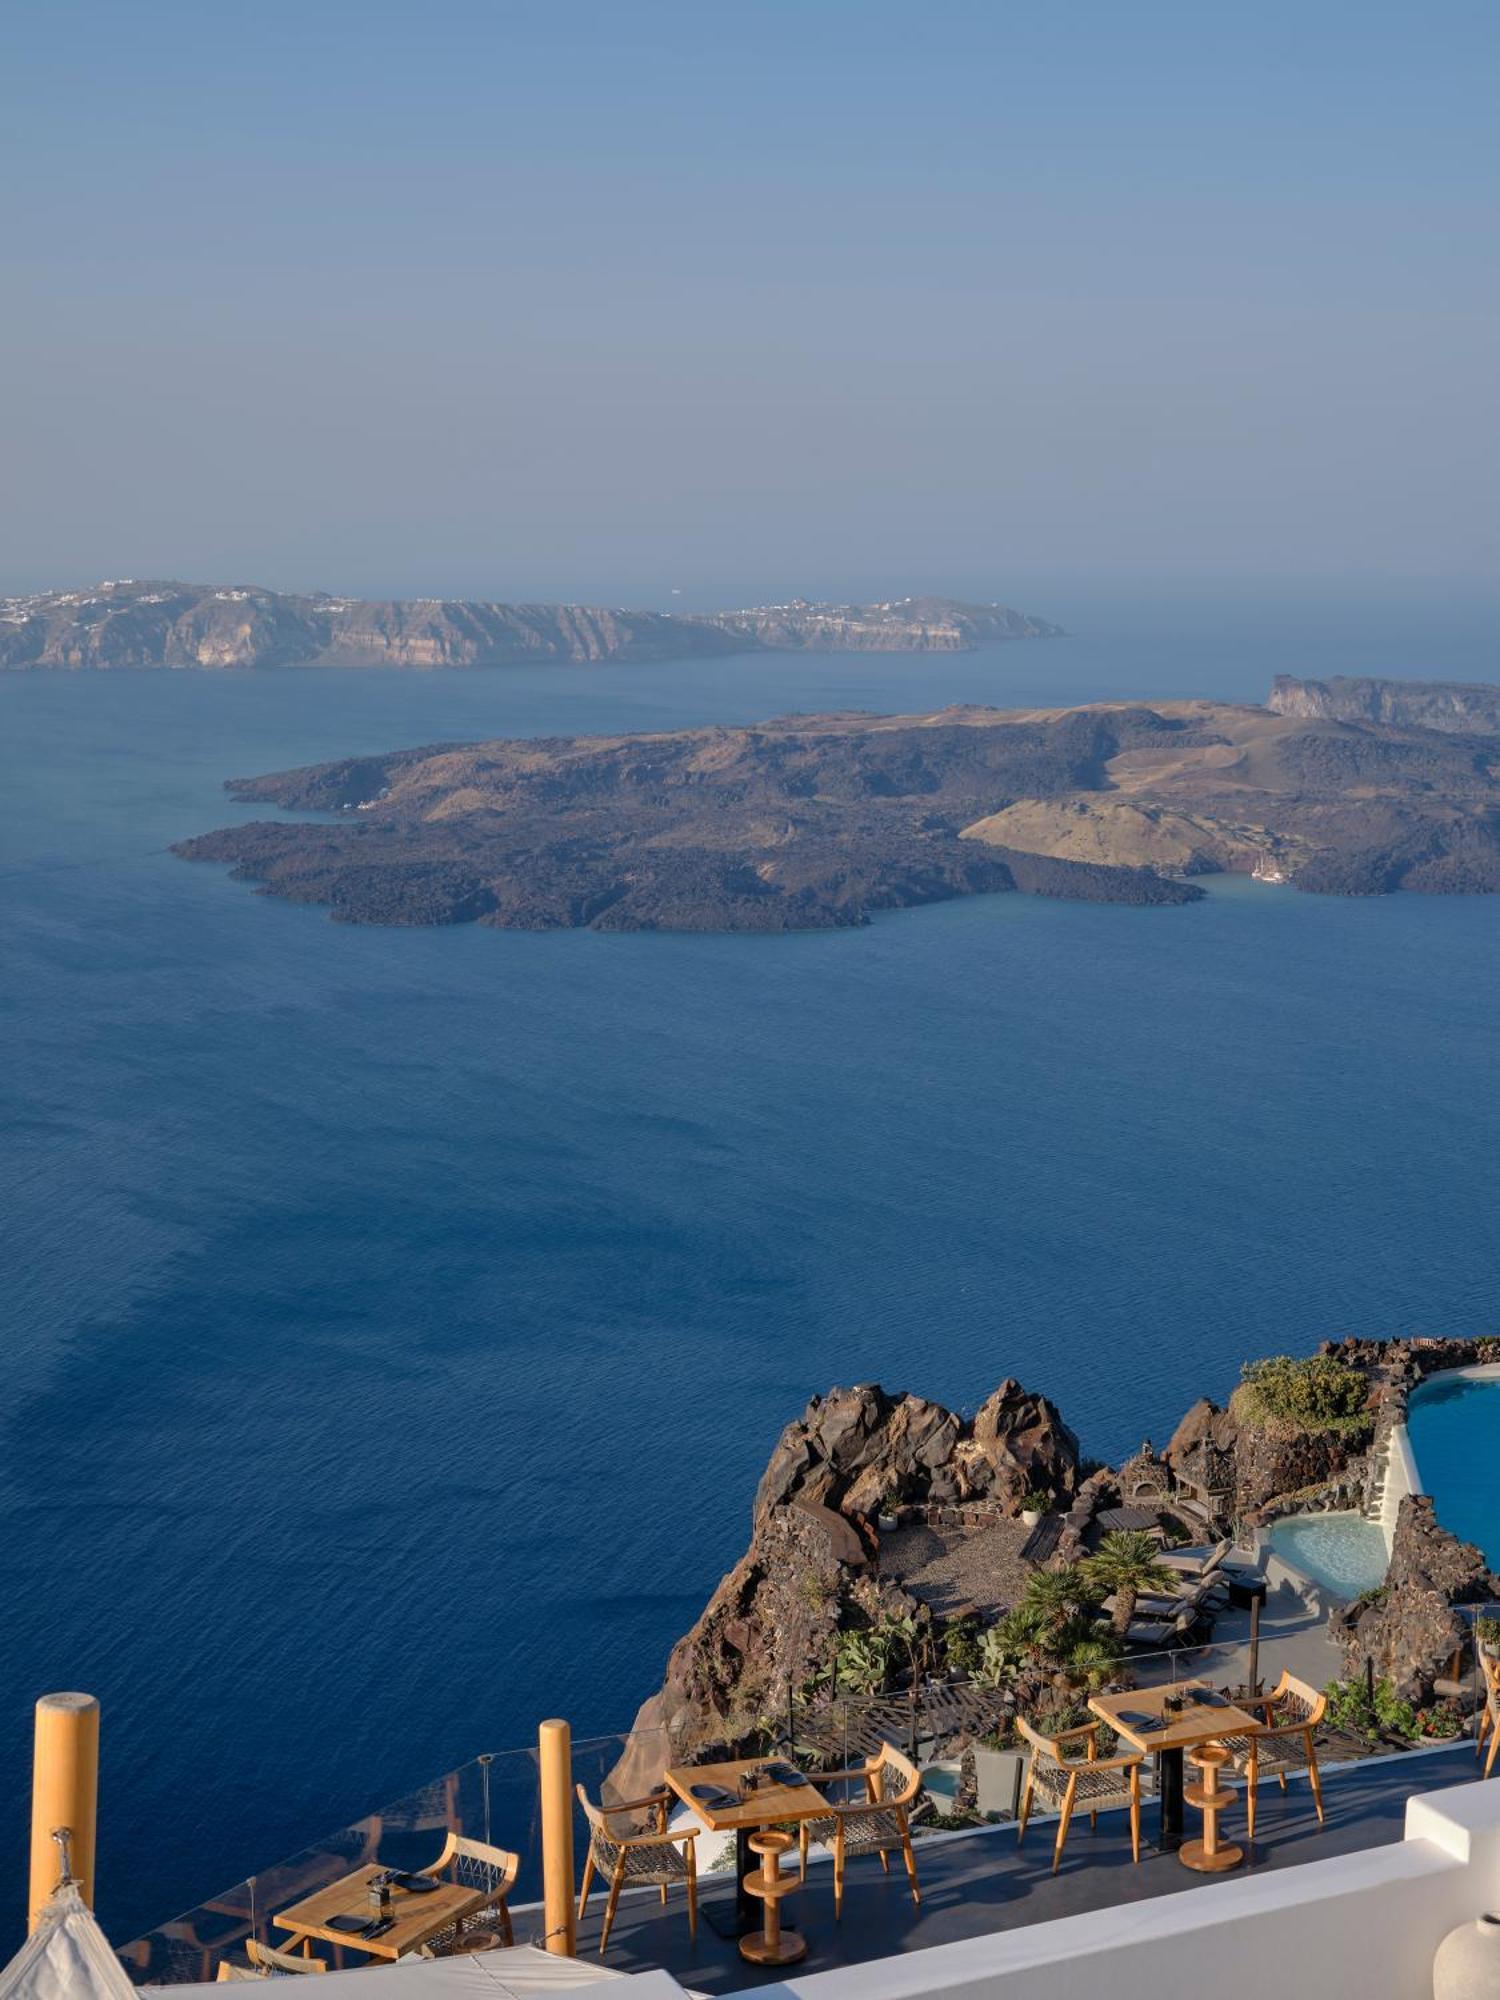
(1125, 1563)
(1056, 1598)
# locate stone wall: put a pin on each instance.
(1411, 1627)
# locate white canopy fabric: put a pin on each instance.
(520, 1972)
(67, 1957)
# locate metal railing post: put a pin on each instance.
(64, 1796)
(555, 1766)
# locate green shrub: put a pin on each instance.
(1350, 1708)
(1317, 1393)
(961, 1646)
(1392, 1713)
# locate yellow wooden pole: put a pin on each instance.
(64, 1793)
(555, 1761)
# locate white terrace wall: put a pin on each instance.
(1401, 1478)
(1365, 1925)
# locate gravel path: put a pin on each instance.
(954, 1568)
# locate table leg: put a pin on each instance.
(746, 1908)
(1169, 1791)
(745, 1916)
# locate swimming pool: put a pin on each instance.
(1344, 1553)
(1453, 1423)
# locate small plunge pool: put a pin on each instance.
(1453, 1422)
(1344, 1553)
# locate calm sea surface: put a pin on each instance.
(397, 1322)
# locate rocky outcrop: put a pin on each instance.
(1215, 1456)
(130, 624)
(770, 1627)
(813, 1567)
(1410, 1628)
(863, 1451)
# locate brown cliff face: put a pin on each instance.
(771, 1625)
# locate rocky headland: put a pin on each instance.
(872, 1500)
(809, 822)
(220, 626)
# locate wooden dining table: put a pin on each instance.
(1164, 1722)
(767, 1805)
(416, 1916)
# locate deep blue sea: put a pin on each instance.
(398, 1321)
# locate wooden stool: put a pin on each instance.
(1210, 1855)
(773, 1945)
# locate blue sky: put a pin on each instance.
(600, 300)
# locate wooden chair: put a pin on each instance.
(1489, 1715)
(875, 1824)
(644, 1852)
(1068, 1783)
(266, 1962)
(493, 1869)
(1283, 1743)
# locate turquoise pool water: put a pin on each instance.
(1343, 1552)
(1454, 1426)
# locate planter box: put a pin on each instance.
(1000, 1775)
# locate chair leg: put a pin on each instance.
(1025, 1813)
(502, 1910)
(803, 1843)
(1489, 1762)
(1316, 1782)
(692, 1889)
(609, 1908)
(911, 1862)
(885, 1861)
(1062, 1824)
(1252, 1778)
(838, 1875)
(588, 1882)
(1135, 1814)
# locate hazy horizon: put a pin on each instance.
(601, 303)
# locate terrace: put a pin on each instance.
(1404, 1832)
(984, 1893)
(980, 1885)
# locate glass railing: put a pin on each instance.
(493, 1798)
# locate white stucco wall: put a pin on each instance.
(1401, 1478)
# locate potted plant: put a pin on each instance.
(1033, 1505)
(1440, 1723)
(1487, 1632)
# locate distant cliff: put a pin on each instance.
(134, 624)
(1457, 706)
(910, 625)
